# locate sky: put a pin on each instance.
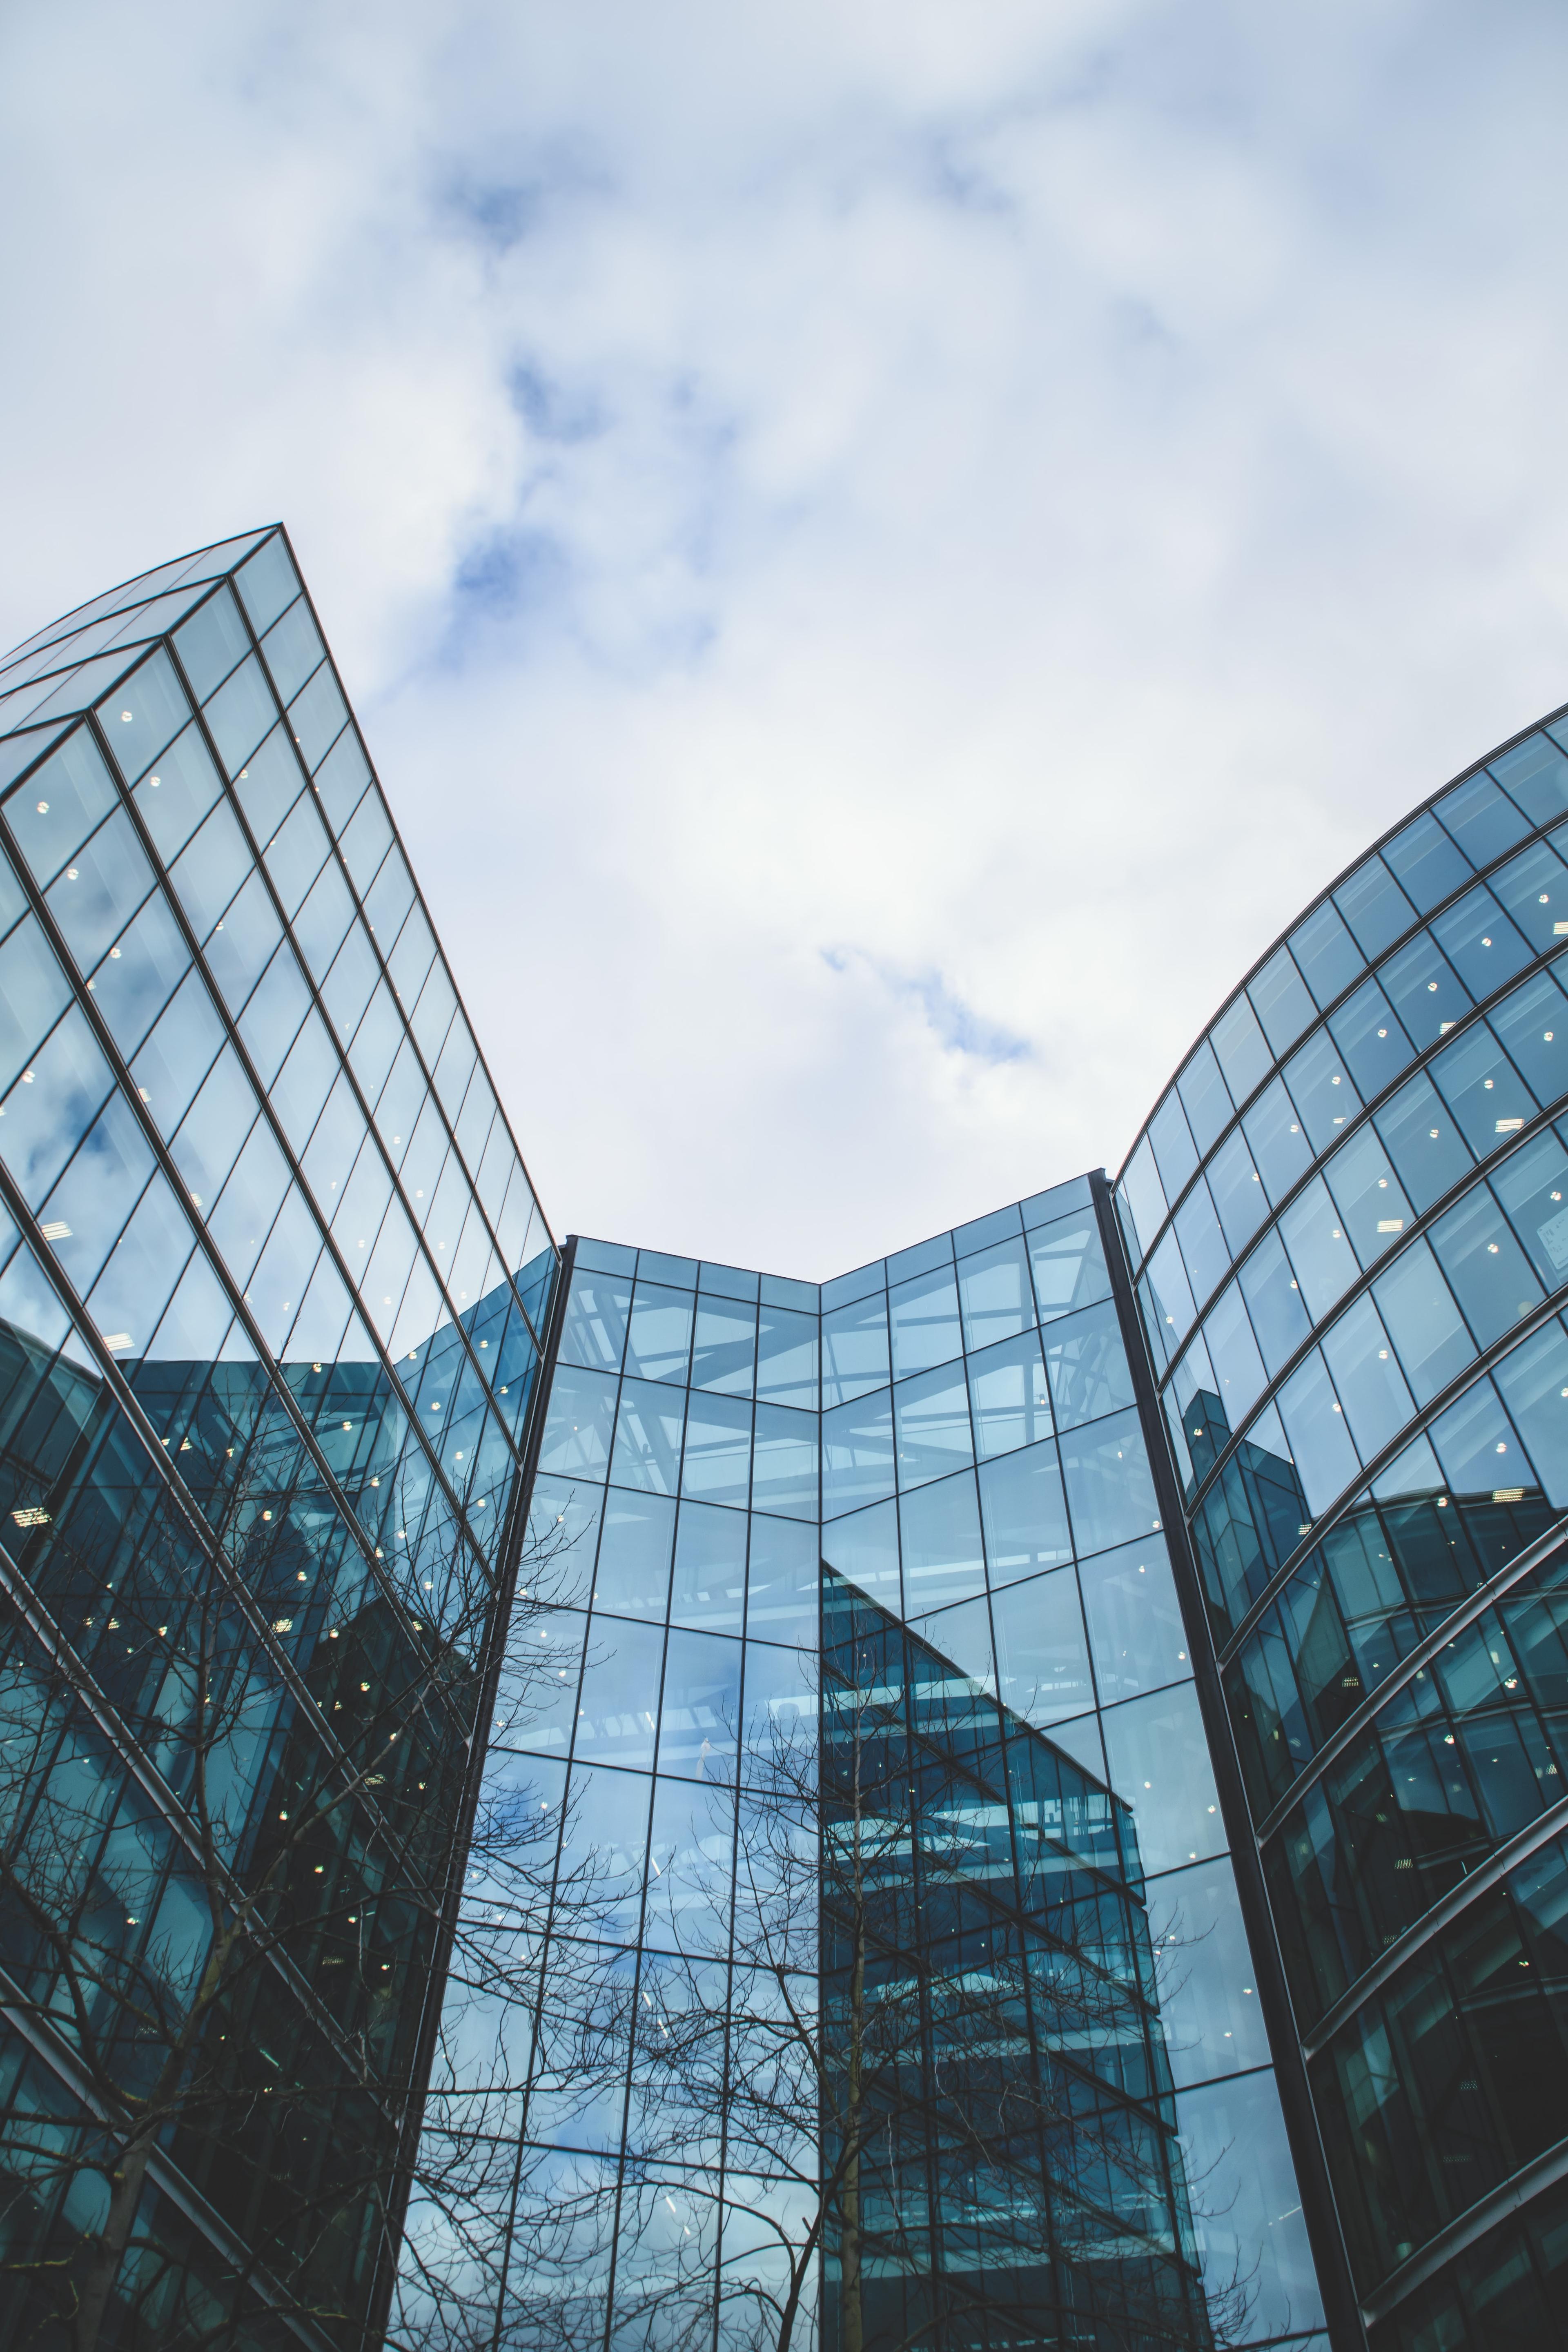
(883, 553)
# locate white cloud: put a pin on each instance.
(859, 537)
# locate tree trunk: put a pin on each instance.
(107, 2251)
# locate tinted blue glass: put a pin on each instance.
(865, 1548)
(923, 1314)
(1238, 1193)
(1282, 1001)
(1425, 992)
(1202, 1245)
(718, 1462)
(1367, 1380)
(1136, 1636)
(211, 642)
(1372, 1038)
(1241, 1049)
(787, 1357)
(1533, 886)
(857, 1453)
(632, 1574)
(1426, 863)
(1424, 1142)
(145, 711)
(1042, 1657)
(1009, 1396)
(96, 895)
(172, 798)
(725, 1348)
(784, 1462)
(1176, 1154)
(1321, 1448)
(709, 1589)
(1145, 1197)
(1274, 1302)
(62, 803)
(1486, 1270)
(267, 582)
(1482, 1089)
(1170, 1291)
(1535, 774)
(1321, 1089)
(1375, 907)
(1237, 1367)
(854, 1356)
(1425, 1326)
(1532, 1025)
(1531, 1380)
(1025, 1513)
(659, 1339)
(1204, 1096)
(1067, 1261)
(1480, 942)
(1278, 1145)
(649, 1422)
(1321, 1253)
(1087, 1365)
(1326, 956)
(981, 1232)
(996, 1293)
(1110, 1484)
(1368, 1194)
(932, 1421)
(1481, 819)
(783, 1576)
(1532, 1186)
(939, 1534)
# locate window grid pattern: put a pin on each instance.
(271, 1281)
(954, 1431)
(1345, 1221)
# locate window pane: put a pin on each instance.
(924, 1320)
(53, 1103)
(1281, 1001)
(854, 1355)
(1274, 1302)
(1279, 1148)
(1237, 1191)
(659, 1344)
(1087, 1366)
(1367, 1377)
(783, 1466)
(648, 1438)
(1134, 1618)
(145, 711)
(1426, 863)
(632, 1579)
(175, 1058)
(1424, 1142)
(1009, 1396)
(1481, 819)
(1533, 1189)
(1480, 942)
(1532, 1026)
(1321, 1089)
(1025, 1513)
(1535, 889)
(996, 1296)
(292, 647)
(1426, 1327)
(724, 1356)
(1325, 953)
(1241, 1048)
(1486, 1270)
(1176, 1154)
(1482, 1089)
(787, 1357)
(1204, 1096)
(174, 798)
(1368, 1195)
(1320, 1255)
(1069, 1266)
(857, 1453)
(939, 1536)
(931, 1418)
(211, 642)
(718, 1446)
(1321, 1446)
(1375, 907)
(140, 974)
(240, 713)
(1425, 991)
(1372, 1038)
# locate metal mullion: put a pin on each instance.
(419, 902)
(1367, 1114)
(62, 2061)
(1419, 1228)
(1371, 969)
(166, 1161)
(1410, 1666)
(231, 1024)
(1432, 1922)
(131, 1094)
(84, 1686)
(130, 1406)
(1328, 1519)
(1303, 2129)
(509, 1561)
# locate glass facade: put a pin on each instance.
(1347, 1223)
(1015, 1796)
(272, 1287)
(953, 1437)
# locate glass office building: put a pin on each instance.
(272, 1280)
(574, 1796)
(1347, 1220)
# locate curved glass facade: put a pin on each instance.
(1347, 1224)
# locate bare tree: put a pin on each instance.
(910, 2050)
(234, 1772)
